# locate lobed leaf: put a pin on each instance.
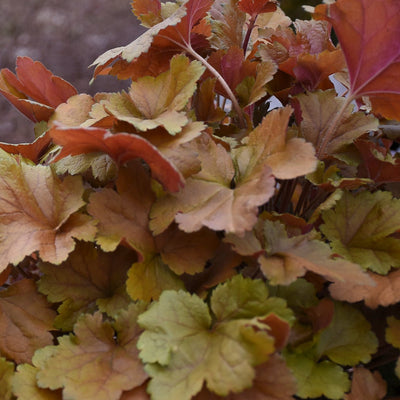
(157, 101)
(208, 199)
(93, 363)
(318, 379)
(6, 375)
(359, 229)
(26, 319)
(385, 292)
(188, 350)
(25, 386)
(89, 279)
(317, 111)
(27, 222)
(348, 340)
(366, 385)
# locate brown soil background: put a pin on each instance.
(66, 36)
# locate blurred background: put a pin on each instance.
(67, 36)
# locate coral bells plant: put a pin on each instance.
(228, 225)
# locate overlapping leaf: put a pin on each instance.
(360, 228)
(148, 12)
(282, 259)
(385, 292)
(6, 374)
(26, 319)
(269, 143)
(121, 147)
(366, 385)
(25, 386)
(157, 101)
(88, 280)
(34, 91)
(208, 199)
(39, 212)
(318, 379)
(373, 54)
(100, 361)
(150, 53)
(273, 381)
(317, 111)
(348, 340)
(184, 353)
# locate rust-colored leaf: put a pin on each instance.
(121, 147)
(369, 32)
(34, 90)
(255, 7)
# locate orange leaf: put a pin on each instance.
(369, 32)
(122, 147)
(25, 321)
(385, 292)
(147, 11)
(150, 53)
(36, 82)
(32, 151)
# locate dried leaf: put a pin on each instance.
(100, 360)
(25, 321)
(28, 223)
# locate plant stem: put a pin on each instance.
(250, 27)
(221, 80)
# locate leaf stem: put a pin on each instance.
(331, 128)
(250, 28)
(221, 80)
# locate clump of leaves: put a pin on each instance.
(227, 226)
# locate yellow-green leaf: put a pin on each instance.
(360, 226)
(6, 375)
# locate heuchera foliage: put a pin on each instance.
(226, 227)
